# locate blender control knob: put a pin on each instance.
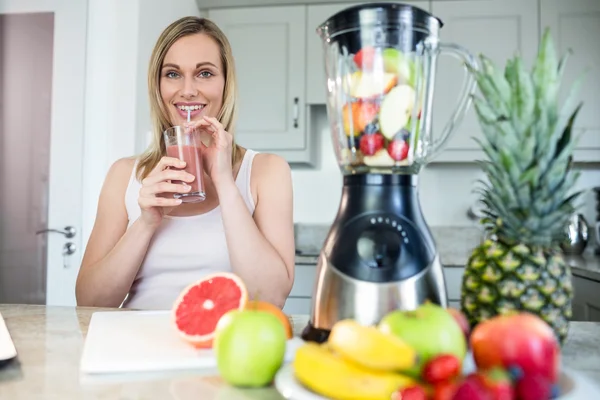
(379, 247)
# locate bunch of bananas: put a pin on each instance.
(356, 362)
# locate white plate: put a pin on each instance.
(7, 347)
(574, 386)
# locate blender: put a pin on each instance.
(379, 255)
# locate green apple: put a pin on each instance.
(396, 62)
(396, 108)
(250, 347)
(430, 329)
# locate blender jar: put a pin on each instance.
(380, 66)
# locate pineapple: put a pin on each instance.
(527, 200)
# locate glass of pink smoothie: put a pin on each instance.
(186, 145)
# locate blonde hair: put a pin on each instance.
(158, 113)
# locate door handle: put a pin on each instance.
(69, 248)
(69, 231)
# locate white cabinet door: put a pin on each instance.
(315, 68)
(269, 47)
(498, 29)
(586, 304)
(575, 25)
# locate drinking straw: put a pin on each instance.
(189, 112)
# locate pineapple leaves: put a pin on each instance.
(546, 73)
(528, 139)
(523, 97)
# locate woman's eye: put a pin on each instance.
(171, 74)
(206, 74)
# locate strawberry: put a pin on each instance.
(370, 144)
(441, 368)
(398, 149)
(498, 382)
(365, 57)
(471, 389)
(534, 387)
(410, 393)
(444, 390)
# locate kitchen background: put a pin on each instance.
(107, 43)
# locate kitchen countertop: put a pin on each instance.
(454, 243)
(49, 342)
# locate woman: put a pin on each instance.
(146, 246)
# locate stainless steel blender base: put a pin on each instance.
(338, 296)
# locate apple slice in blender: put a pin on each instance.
(368, 85)
(396, 62)
(379, 159)
(396, 109)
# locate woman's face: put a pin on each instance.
(192, 77)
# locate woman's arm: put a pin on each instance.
(261, 249)
(114, 253)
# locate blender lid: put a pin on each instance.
(379, 14)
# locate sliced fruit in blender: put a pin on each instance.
(379, 159)
(365, 57)
(398, 148)
(349, 119)
(369, 85)
(357, 116)
(396, 63)
(370, 144)
(396, 109)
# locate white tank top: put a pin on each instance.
(183, 249)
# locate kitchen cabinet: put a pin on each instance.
(315, 69)
(300, 296)
(498, 29)
(586, 299)
(575, 25)
(269, 47)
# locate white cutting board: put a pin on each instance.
(144, 341)
(7, 347)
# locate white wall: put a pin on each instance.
(317, 192)
(121, 35)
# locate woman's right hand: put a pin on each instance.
(156, 195)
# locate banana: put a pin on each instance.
(330, 375)
(370, 347)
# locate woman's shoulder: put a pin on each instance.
(120, 172)
(270, 166)
(123, 166)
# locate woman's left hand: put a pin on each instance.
(217, 156)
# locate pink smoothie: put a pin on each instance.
(193, 159)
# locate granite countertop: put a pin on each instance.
(454, 245)
(49, 342)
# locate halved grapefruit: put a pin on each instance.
(199, 307)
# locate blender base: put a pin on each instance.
(379, 256)
(341, 297)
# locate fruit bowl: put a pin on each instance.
(572, 385)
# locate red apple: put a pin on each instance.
(521, 340)
(370, 144)
(398, 149)
(462, 320)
